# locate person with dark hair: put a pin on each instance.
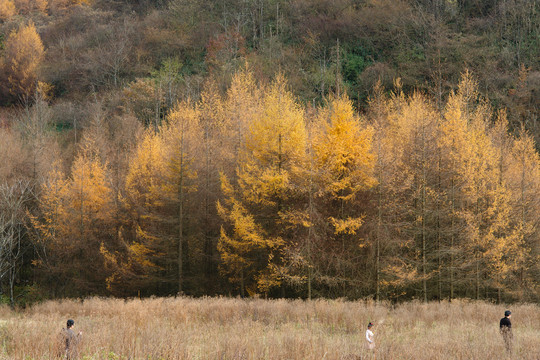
(71, 340)
(369, 337)
(505, 327)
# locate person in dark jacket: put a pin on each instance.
(505, 327)
(71, 340)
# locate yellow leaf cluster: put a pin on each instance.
(274, 148)
(89, 193)
(343, 151)
(277, 136)
(242, 105)
(346, 226)
(7, 9)
(147, 170)
(180, 137)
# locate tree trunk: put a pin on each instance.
(439, 260)
(477, 277)
(207, 238)
(181, 215)
(310, 230)
(423, 215)
(452, 240)
(379, 225)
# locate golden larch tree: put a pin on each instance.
(181, 137)
(269, 164)
(523, 178)
(454, 148)
(135, 270)
(23, 53)
(77, 225)
(343, 167)
(406, 198)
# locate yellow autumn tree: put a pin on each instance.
(181, 136)
(241, 106)
(345, 159)
(475, 169)
(481, 239)
(393, 268)
(146, 172)
(378, 115)
(494, 237)
(254, 208)
(241, 250)
(213, 157)
(405, 215)
(343, 167)
(89, 189)
(88, 227)
(23, 53)
(455, 151)
(411, 135)
(506, 248)
(274, 147)
(49, 230)
(76, 225)
(160, 180)
(52, 206)
(489, 239)
(7, 9)
(523, 178)
(136, 270)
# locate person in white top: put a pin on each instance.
(370, 336)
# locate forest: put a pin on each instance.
(357, 149)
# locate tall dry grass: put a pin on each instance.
(223, 328)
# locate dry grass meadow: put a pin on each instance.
(223, 328)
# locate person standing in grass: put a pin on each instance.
(506, 330)
(71, 340)
(370, 337)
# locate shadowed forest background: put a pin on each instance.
(283, 148)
